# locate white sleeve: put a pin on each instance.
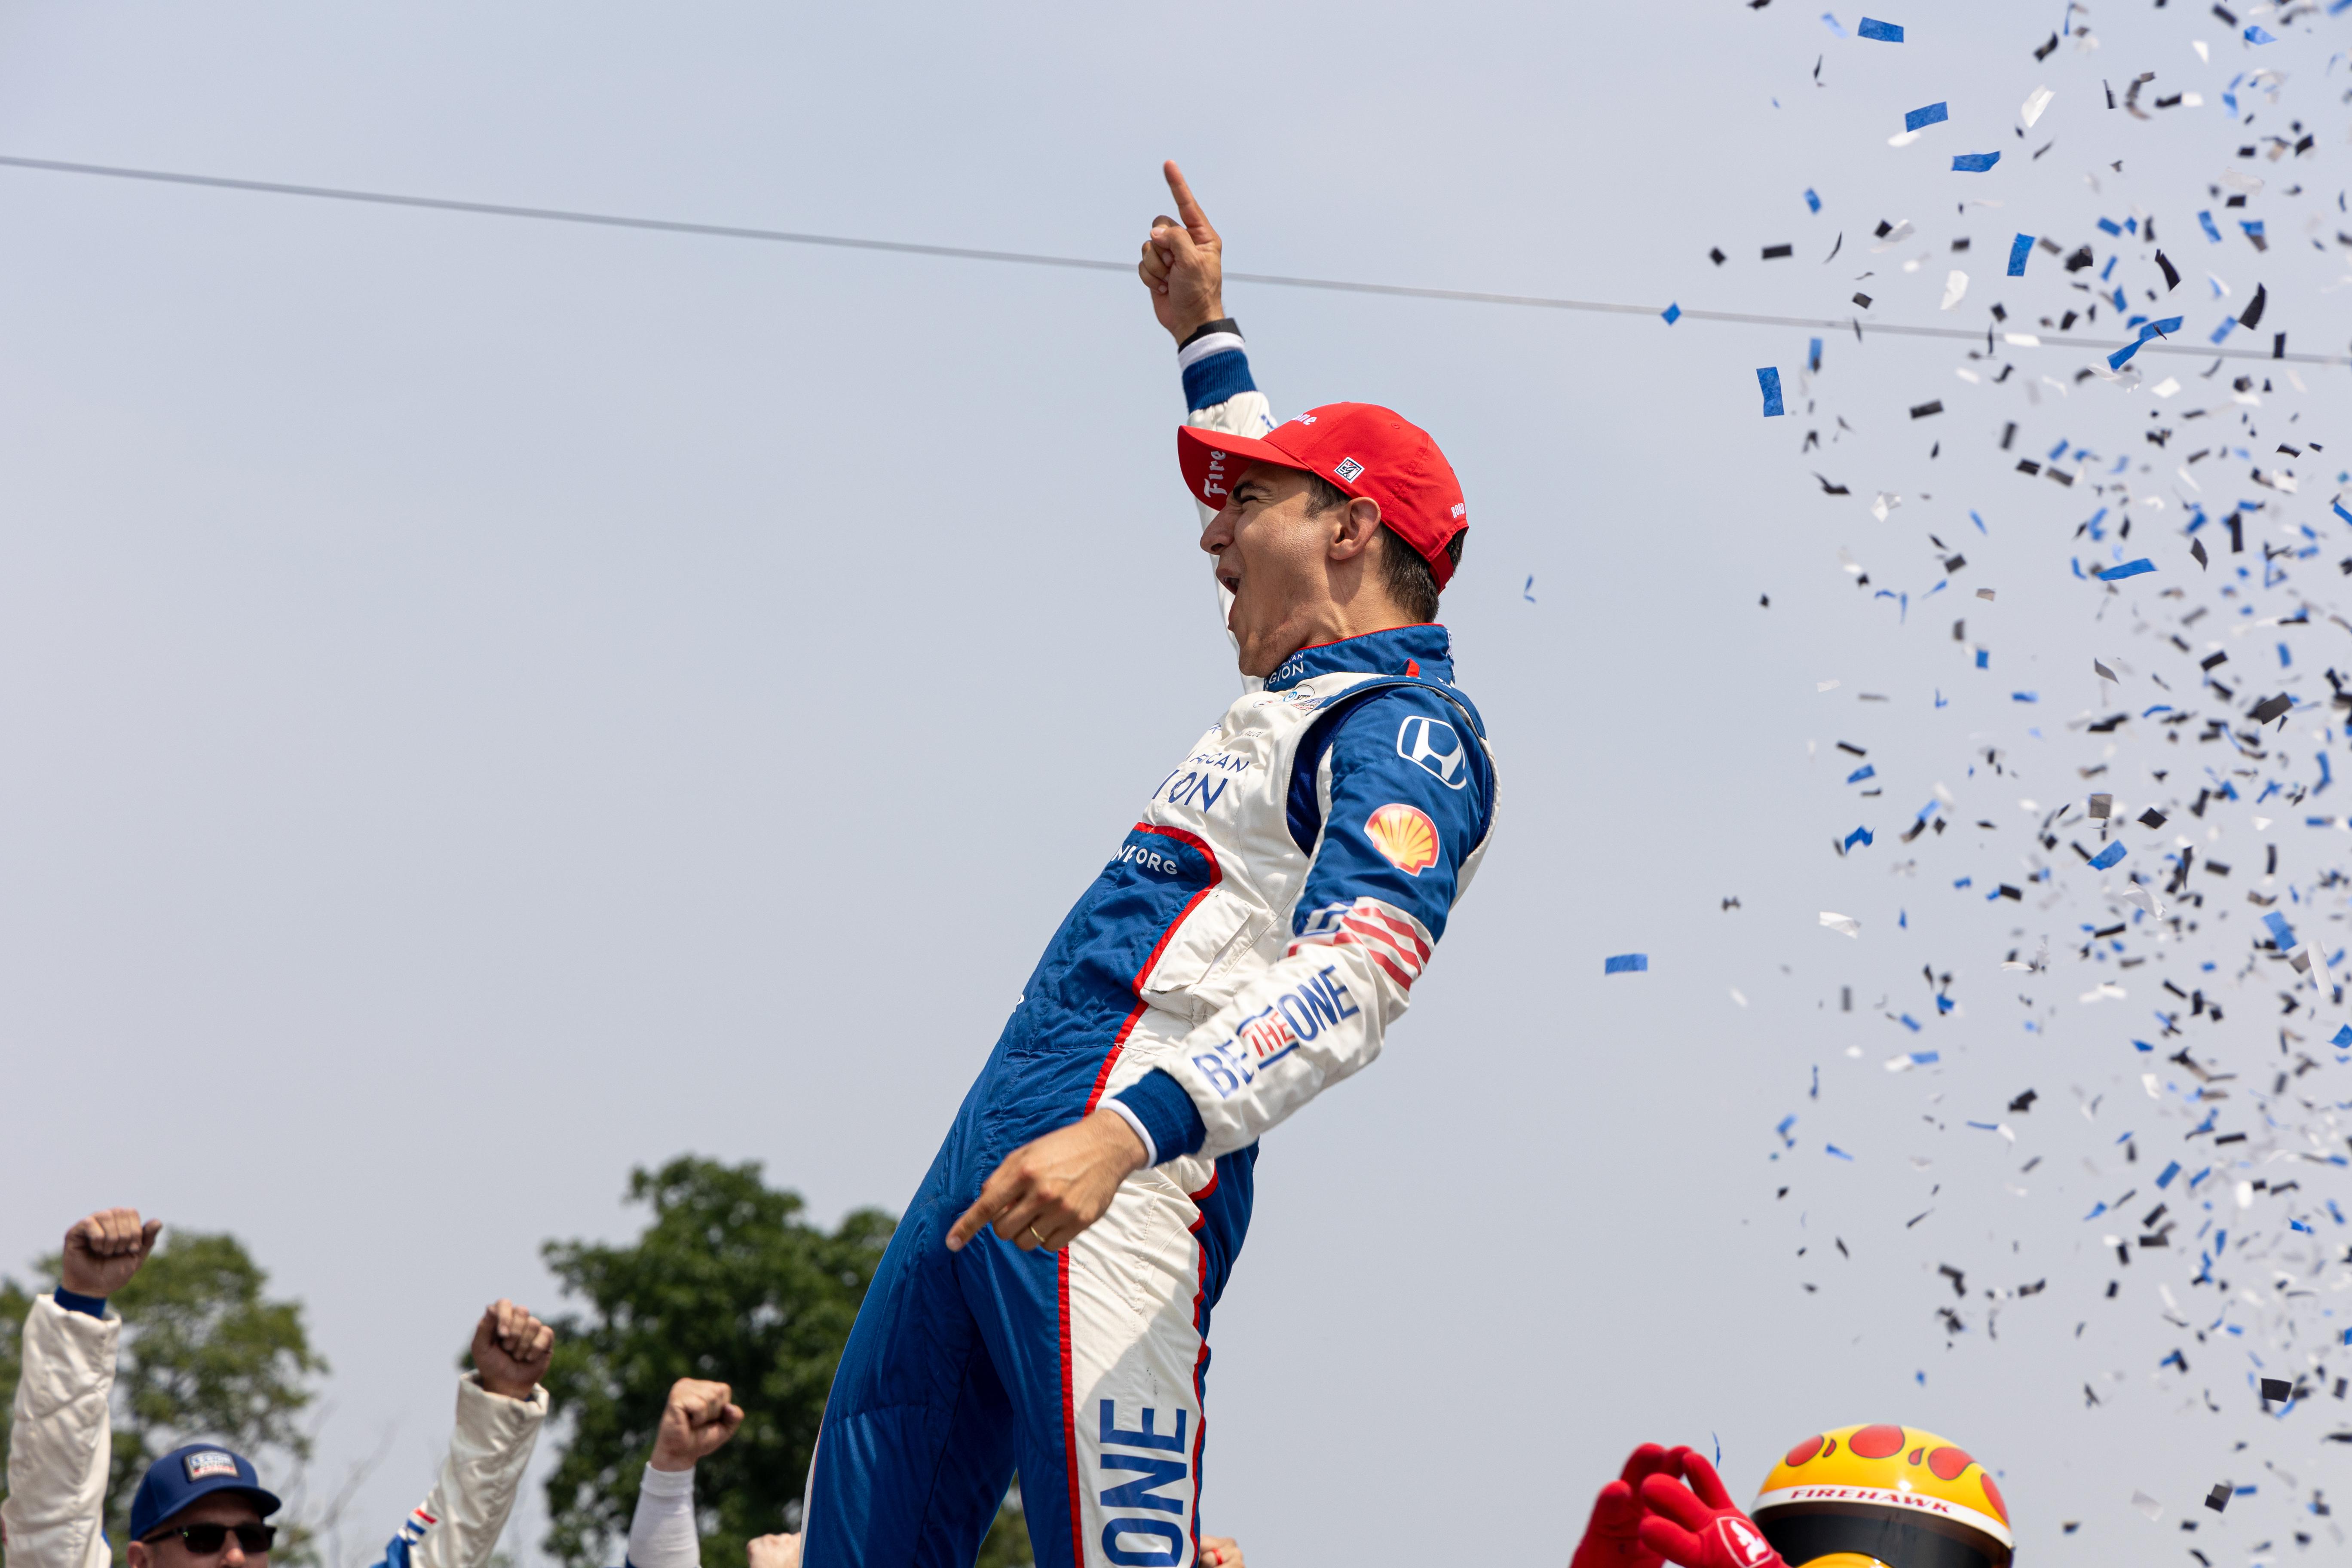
(458, 1523)
(1220, 394)
(662, 1532)
(60, 1441)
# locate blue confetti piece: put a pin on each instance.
(2024, 697)
(1813, 201)
(2205, 220)
(2338, 505)
(1933, 114)
(2129, 569)
(2122, 356)
(1672, 313)
(1865, 772)
(1528, 593)
(2111, 226)
(1974, 162)
(1768, 378)
(1626, 963)
(1925, 1058)
(2170, 1171)
(2107, 857)
(1910, 1023)
(1884, 32)
(2253, 227)
(1984, 659)
(2281, 932)
(1838, 1152)
(1832, 21)
(1813, 363)
(2020, 250)
(2223, 330)
(2254, 35)
(1861, 833)
(2143, 1046)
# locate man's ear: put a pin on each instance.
(1358, 522)
(142, 1554)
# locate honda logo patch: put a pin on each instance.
(1433, 746)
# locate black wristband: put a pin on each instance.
(1223, 325)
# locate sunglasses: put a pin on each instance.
(207, 1540)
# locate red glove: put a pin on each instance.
(1610, 1541)
(1697, 1526)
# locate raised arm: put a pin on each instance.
(1183, 265)
(696, 1422)
(61, 1439)
(501, 1408)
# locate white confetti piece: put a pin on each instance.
(1846, 924)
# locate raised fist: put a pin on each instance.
(1697, 1525)
(695, 1424)
(103, 1251)
(1613, 1539)
(511, 1348)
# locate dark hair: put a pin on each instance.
(1405, 575)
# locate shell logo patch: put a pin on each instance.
(1405, 835)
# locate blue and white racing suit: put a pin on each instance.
(1247, 946)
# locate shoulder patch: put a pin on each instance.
(1435, 747)
(1405, 835)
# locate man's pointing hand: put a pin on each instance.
(1046, 1192)
(1183, 263)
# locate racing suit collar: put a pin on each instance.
(1399, 650)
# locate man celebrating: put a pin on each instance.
(1044, 1304)
(203, 1505)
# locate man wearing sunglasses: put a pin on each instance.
(203, 1506)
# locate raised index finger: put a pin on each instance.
(1188, 207)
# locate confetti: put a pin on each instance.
(1920, 119)
(2035, 103)
(1884, 32)
(1974, 162)
(1847, 924)
(1768, 378)
(2019, 250)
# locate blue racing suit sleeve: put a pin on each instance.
(1401, 805)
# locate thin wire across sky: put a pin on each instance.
(1991, 340)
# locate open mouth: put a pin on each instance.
(1232, 584)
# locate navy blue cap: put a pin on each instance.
(184, 1475)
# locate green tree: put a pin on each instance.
(204, 1353)
(727, 1281)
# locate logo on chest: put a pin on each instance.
(1202, 782)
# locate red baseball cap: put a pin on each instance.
(1360, 448)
